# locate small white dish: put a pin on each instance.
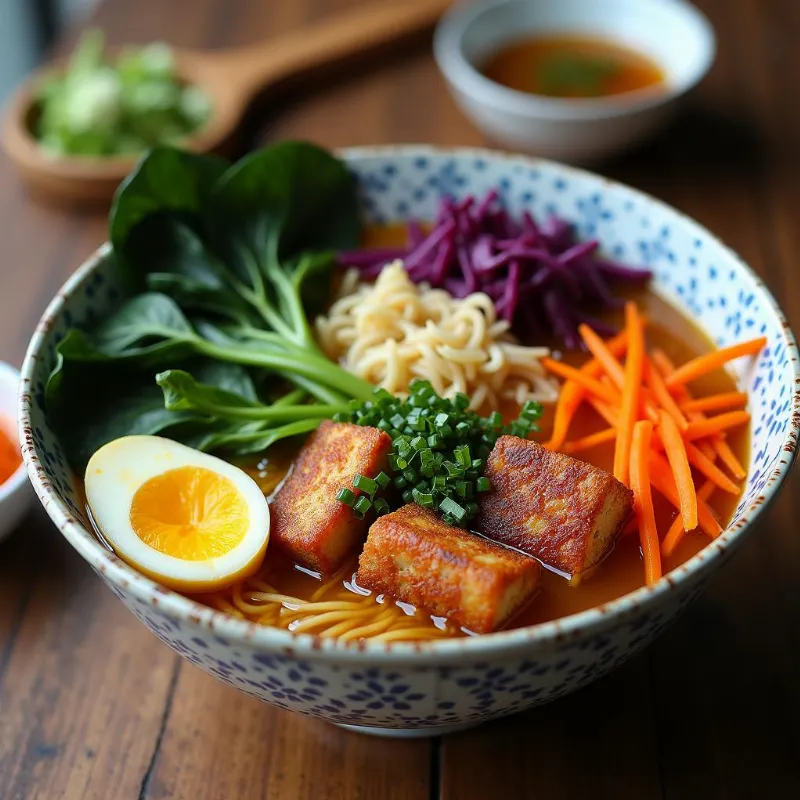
(671, 32)
(15, 493)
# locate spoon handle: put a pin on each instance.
(325, 43)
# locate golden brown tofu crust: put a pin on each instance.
(413, 556)
(562, 511)
(308, 522)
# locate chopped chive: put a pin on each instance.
(439, 450)
(363, 504)
(449, 506)
(381, 507)
(366, 485)
(346, 496)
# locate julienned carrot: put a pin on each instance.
(716, 402)
(599, 349)
(639, 471)
(614, 370)
(605, 411)
(593, 440)
(662, 480)
(616, 346)
(728, 457)
(676, 532)
(572, 395)
(591, 385)
(721, 422)
(602, 354)
(662, 362)
(708, 362)
(569, 399)
(714, 447)
(630, 393)
(681, 471)
(659, 389)
(704, 465)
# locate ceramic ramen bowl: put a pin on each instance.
(427, 688)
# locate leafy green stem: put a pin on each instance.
(317, 368)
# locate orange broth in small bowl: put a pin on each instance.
(573, 67)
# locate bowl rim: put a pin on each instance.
(426, 653)
(466, 78)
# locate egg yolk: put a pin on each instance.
(189, 513)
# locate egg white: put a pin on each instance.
(116, 472)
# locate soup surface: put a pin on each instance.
(572, 67)
(621, 572)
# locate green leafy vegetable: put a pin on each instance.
(95, 402)
(439, 449)
(223, 264)
(167, 182)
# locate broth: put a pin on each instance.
(572, 67)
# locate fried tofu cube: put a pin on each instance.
(308, 522)
(562, 511)
(413, 556)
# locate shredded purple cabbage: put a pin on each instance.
(542, 280)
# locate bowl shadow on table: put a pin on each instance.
(699, 141)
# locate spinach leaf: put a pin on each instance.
(225, 264)
(144, 318)
(166, 180)
(251, 437)
(167, 256)
(94, 403)
(182, 392)
(290, 198)
(162, 243)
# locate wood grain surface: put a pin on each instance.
(93, 706)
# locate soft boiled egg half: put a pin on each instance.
(184, 518)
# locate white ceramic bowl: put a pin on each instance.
(672, 32)
(430, 687)
(15, 493)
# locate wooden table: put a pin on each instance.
(93, 706)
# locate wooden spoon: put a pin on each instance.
(230, 78)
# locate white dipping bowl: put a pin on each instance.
(15, 494)
(671, 32)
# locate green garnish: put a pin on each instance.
(346, 496)
(367, 501)
(97, 107)
(366, 485)
(439, 447)
(566, 75)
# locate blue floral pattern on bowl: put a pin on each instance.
(435, 686)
